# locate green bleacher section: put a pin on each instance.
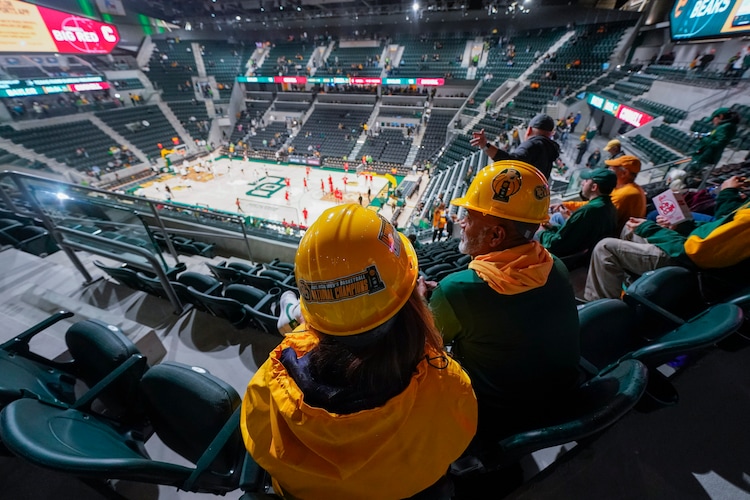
(431, 56)
(193, 116)
(131, 124)
(656, 153)
(286, 58)
(173, 73)
(670, 114)
(63, 142)
(223, 61)
(497, 60)
(389, 148)
(353, 61)
(9, 161)
(332, 131)
(433, 139)
(676, 139)
(578, 62)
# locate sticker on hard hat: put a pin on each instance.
(363, 283)
(506, 184)
(541, 192)
(389, 236)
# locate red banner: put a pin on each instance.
(82, 87)
(435, 82)
(290, 79)
(26, 27)
(78, 35)
(365, 81)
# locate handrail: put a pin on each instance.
(120, 201)
(155, 265)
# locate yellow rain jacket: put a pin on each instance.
(389, 452)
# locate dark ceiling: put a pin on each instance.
(210, 11)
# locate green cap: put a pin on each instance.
(720, 111)
(604, 178)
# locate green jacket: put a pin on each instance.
(594, 221)
(521, 351)
(672, 242)
(712, 146)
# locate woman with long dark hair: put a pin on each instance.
(361, 400)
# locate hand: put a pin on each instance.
(736, 182)
(664, 222)
(634, 222)
(425, 287)
(478, 139)
(564, 212)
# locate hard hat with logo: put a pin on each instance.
(509, 189)
(354, 271)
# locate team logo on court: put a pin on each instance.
(506, 184)
(349, 287)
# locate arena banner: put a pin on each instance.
(302, 80)
(26, 27)
(701, 19)
(620, 111)
(42, 86)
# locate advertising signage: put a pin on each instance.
(25, 27)
(301, 80)
(42, 86)
(701, 19)
(365, 81)
(622, 112)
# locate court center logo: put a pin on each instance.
(355, 285)
(505, 184)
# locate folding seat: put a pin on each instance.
(242, 305)
(32, 239)
(95, 349)
(613, 330)
(123, 274)
(201, 282)
(589, 410)
(194, 413)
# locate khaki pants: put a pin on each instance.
(613, 258)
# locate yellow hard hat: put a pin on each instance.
(354, 271)
(509, 189)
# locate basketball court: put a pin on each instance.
(261, 188)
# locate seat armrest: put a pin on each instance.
(20, 343)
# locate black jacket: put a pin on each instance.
(537, 150)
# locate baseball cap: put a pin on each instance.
(604, 177)
(628, 162)
(720, 111)
(542, 122)
(611, 144)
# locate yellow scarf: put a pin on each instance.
(514, 270)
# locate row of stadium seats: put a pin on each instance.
(196, 414)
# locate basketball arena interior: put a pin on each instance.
(157, 156)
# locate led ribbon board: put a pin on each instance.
(700, 19)
(301, 80)
(622, 112)
(42, 86)
(25, 27)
